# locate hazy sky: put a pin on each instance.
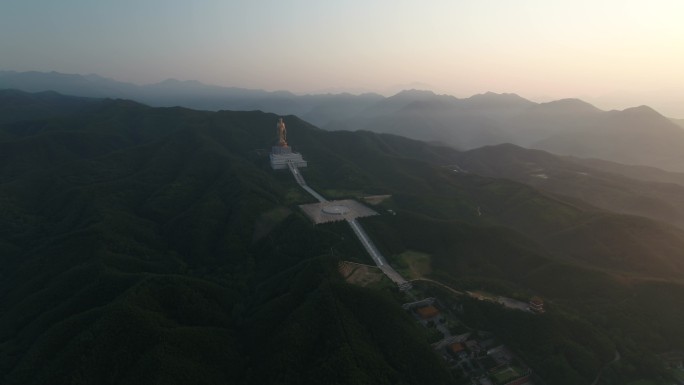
(612, 53)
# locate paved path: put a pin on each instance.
(379, 260)
(375, 254)
(440, 284)
(300, 180)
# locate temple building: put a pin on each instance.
(427, 312)
(537, 305)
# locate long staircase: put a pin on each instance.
(300, 180)
(360, 233)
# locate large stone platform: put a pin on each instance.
(332, 211)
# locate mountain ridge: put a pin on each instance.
(36, 81)
(637, 135)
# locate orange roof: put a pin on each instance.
(427, 312)
(456, 347)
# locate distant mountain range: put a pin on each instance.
(639, 136)
(193, 94)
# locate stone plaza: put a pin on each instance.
(332, 211)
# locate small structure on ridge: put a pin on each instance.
(537, 305)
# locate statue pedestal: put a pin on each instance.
(282, 155)
(280, 150)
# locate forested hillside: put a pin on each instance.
(156, 245)
(130, 254)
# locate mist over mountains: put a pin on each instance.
(567, 127)
(638, 136)
(192, 94)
